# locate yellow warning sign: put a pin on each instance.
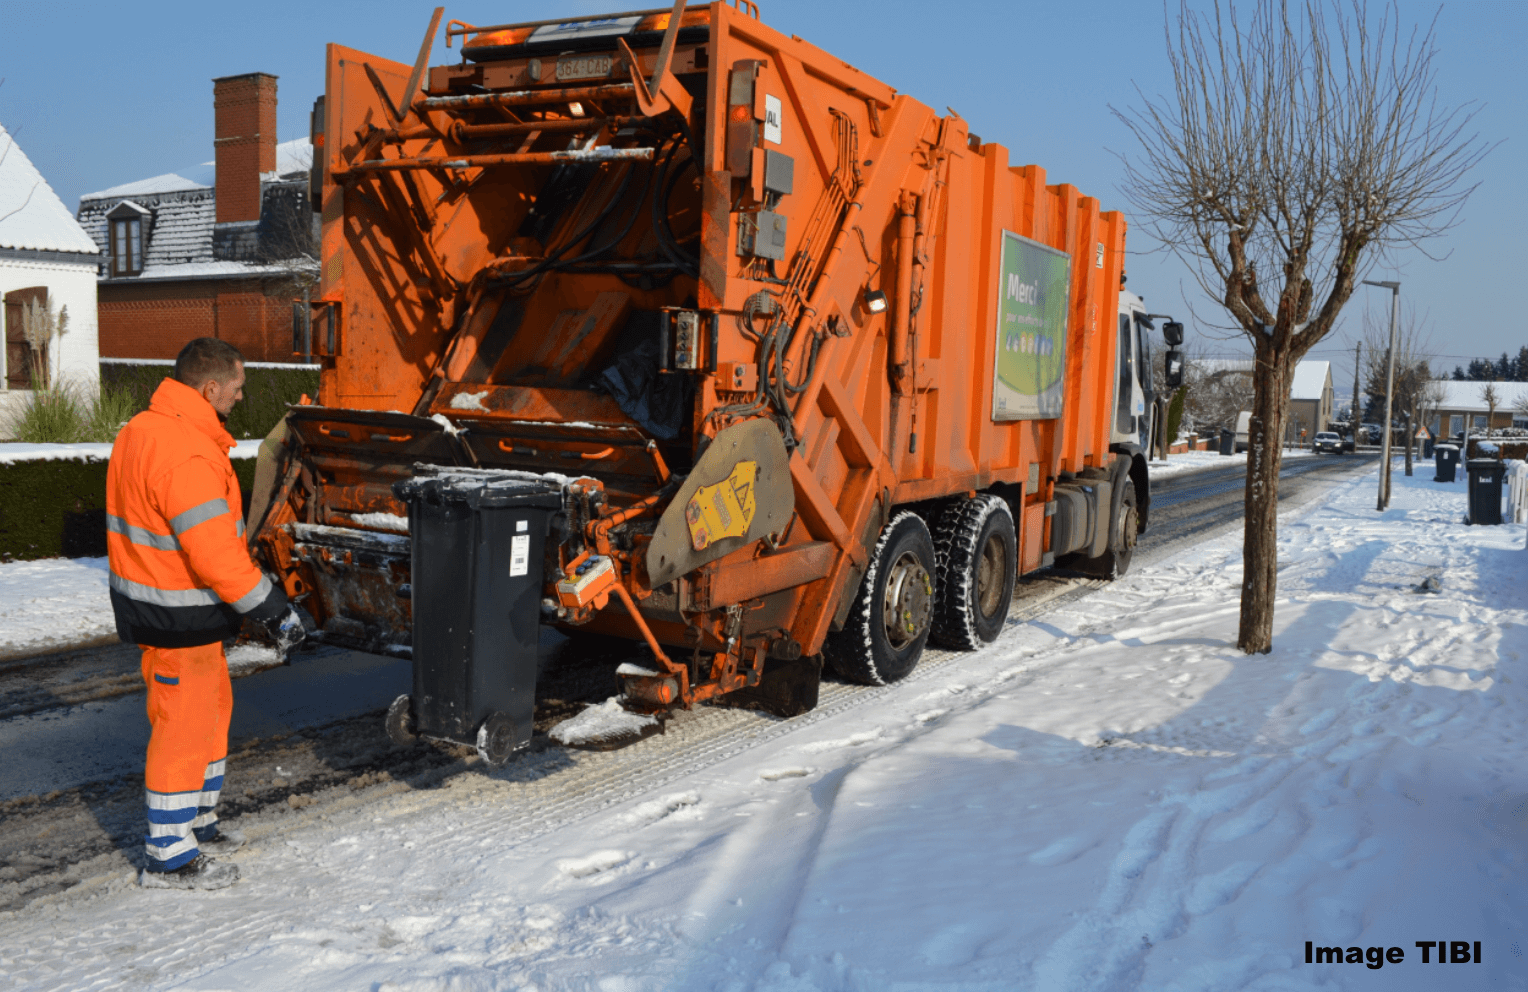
(723, 510)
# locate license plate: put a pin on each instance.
(583, 67)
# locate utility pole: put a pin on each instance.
(1384, 470)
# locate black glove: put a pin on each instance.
(287, 631)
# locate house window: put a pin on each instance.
(1478, 422)
(1456, 423)
(126, 246)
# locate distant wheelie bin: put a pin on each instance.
(1486, 475)
(1446, 458)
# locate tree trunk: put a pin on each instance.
(1260, 540)
(1411, 433)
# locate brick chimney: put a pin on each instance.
(244, 109)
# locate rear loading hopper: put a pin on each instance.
(809, 366)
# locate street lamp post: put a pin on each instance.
(1384, 472)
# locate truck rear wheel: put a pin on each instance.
(977, 548)
(893, 611)
(1115, 562)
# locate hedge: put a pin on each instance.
(53, 508)
(267, 392)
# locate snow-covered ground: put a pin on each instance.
(19, 451)
(1112, 797)
(54, 603)
(1193, 461)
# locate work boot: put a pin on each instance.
(201, 872)
(221, 841)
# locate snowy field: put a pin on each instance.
(1112, 797)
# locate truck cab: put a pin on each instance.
(1134, 395)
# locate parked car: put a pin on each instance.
(1327, 441)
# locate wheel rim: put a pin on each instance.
(1128, 525)
(991, 575)
(909, 601)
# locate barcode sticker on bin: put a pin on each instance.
(520, 554)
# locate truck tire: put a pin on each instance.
(893, 612)
(976, 548)
(1115, 562)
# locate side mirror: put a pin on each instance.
(1173, 332)
(1173, 362)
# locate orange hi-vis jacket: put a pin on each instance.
(180, 573)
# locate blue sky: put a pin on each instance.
(101, 94)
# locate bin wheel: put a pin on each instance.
(496, 740)
(400, 722)
(893, 611)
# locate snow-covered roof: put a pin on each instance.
(32, 216)
(291, 156)
(1465, 396)
(170, 182)
(1311, 379)
(181, 210)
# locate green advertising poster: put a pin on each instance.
(1031, 330)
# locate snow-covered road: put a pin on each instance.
(1110, 798)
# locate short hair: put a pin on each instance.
(207, 358)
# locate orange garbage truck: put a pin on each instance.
(670, 326)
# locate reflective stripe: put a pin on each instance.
(137, 535)
(170, 818)
(168, 854)
(254, 597)
(166, 680)
(239, 526)
(182, 522)
(165, 597)
(171, 800)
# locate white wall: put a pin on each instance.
(76, 357)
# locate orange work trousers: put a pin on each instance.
(189, 706)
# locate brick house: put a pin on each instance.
(211, 251)
(46, 261)
(1461, 405)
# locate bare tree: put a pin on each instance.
(1491, 397)
(1298, 143)
(1430, 402)
(1413, 365)
(1216, 393)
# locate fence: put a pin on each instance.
(1517, 491)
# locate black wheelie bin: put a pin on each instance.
(477, 540)
(1446, 458)
(1486, 475)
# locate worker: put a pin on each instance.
(182, 581)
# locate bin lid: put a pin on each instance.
(1485, 464)
(481, 489)
(1445, 447)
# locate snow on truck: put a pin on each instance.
(670, 326)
